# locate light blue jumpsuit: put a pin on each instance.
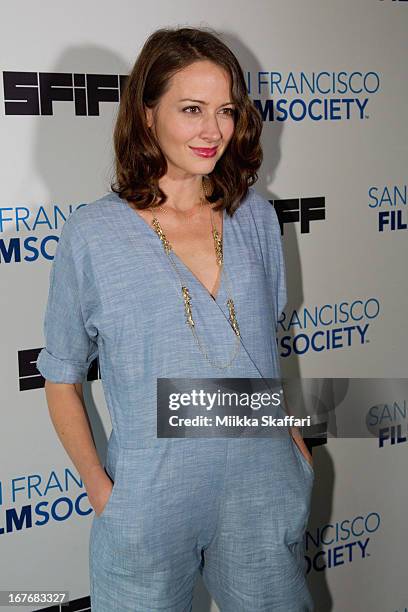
(234, 509)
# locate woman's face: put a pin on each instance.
(196, 111)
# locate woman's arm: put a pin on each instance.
(70, 419)
(275, 267)
(68, 352)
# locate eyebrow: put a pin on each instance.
(201, 101)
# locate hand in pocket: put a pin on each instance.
(100, 492)
(305, 452)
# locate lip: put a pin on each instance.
(204, 151)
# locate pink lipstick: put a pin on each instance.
(204, 151)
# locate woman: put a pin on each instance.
(178, 272)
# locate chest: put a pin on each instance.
(136, 305)
(192, 243)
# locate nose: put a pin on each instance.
(210, 130)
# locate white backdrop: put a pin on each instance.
(352, 161)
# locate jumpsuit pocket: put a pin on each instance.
(303, 459)
(116, 480)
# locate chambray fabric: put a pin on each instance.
(233, 509)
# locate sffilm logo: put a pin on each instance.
(303, 210)
(34, 93)
(30, 378)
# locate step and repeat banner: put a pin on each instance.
(330, 80)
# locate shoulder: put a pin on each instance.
(93, 218)
(260, 205)
(262, 211)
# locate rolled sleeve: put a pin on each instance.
(69, 349)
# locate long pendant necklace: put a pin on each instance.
(186, 293)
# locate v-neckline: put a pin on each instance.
(214, 298)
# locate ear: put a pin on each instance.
(149, 116)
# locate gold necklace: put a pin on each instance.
(217, 239)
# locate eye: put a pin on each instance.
(230, 111)
(188, 107)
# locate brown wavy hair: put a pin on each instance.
(139, 161)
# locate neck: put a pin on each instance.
(183, 196)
